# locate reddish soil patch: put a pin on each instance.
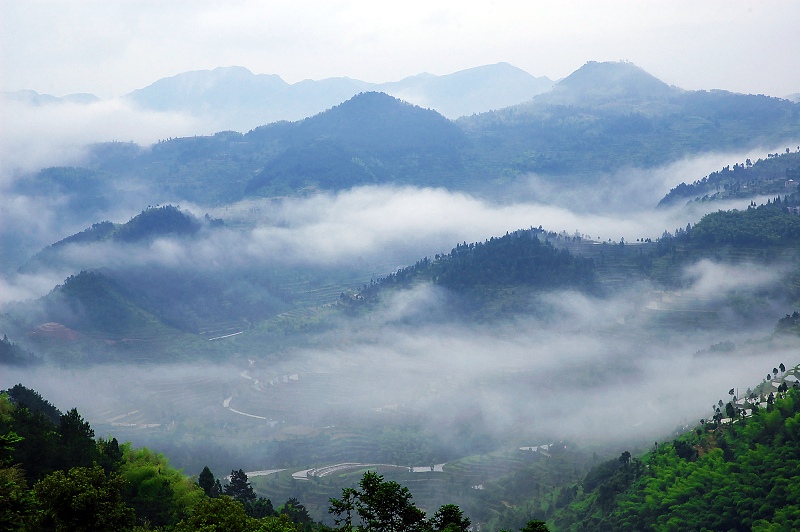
(53, 331)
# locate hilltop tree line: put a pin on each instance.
(518, 258)
(765, 176)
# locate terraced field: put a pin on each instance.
(460, 481)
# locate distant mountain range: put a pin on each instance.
(236, 95)
(234, 98)
(602, 118)
(30, 97)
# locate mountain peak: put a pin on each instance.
(597, 82)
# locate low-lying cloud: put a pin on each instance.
(592, 375)
(57, 134)
(372, 230)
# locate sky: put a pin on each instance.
(111, 48)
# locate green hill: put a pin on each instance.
(777, 174)
(371, 138)
(151, 223)
(722, 475)
(496, 276)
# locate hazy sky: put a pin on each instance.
(110, 48)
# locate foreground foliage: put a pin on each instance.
(743, 475)
(83, 484)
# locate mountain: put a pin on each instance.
(122, 297)
(603, 118)
(495, 278)
(596, 84)
(93, 303)
(30, 97)
(608, 116)
(151, 223)
(371, 138)
(469, 91)
(241, 100)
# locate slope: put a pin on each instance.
(739, 474)
(608, 116)
(778, 174)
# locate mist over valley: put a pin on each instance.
(433, 283)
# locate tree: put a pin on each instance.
(279, 523)
(260, 508)
(78, 448)
(730, 411)
(221, 514)
(296, 512)
(110, 454)
(450, 517)
(83, 499)
(209, 484)
(239, 488)
(535, 526)
(382, 506)
(16, 501)
(158, 493)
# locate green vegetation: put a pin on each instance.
(484, 273)
(59, 477)
(723, 475)
(764, 225)
(777, 174)
(79, 483)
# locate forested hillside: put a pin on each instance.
(736, 471)
(151, 223)
(55, 475)
(778, 174)
(608, 116)
(496, 276)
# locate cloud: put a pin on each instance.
(35, 137)
(715, 280)
(533, 378)
(369, 230)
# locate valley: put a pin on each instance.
(483, 309)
